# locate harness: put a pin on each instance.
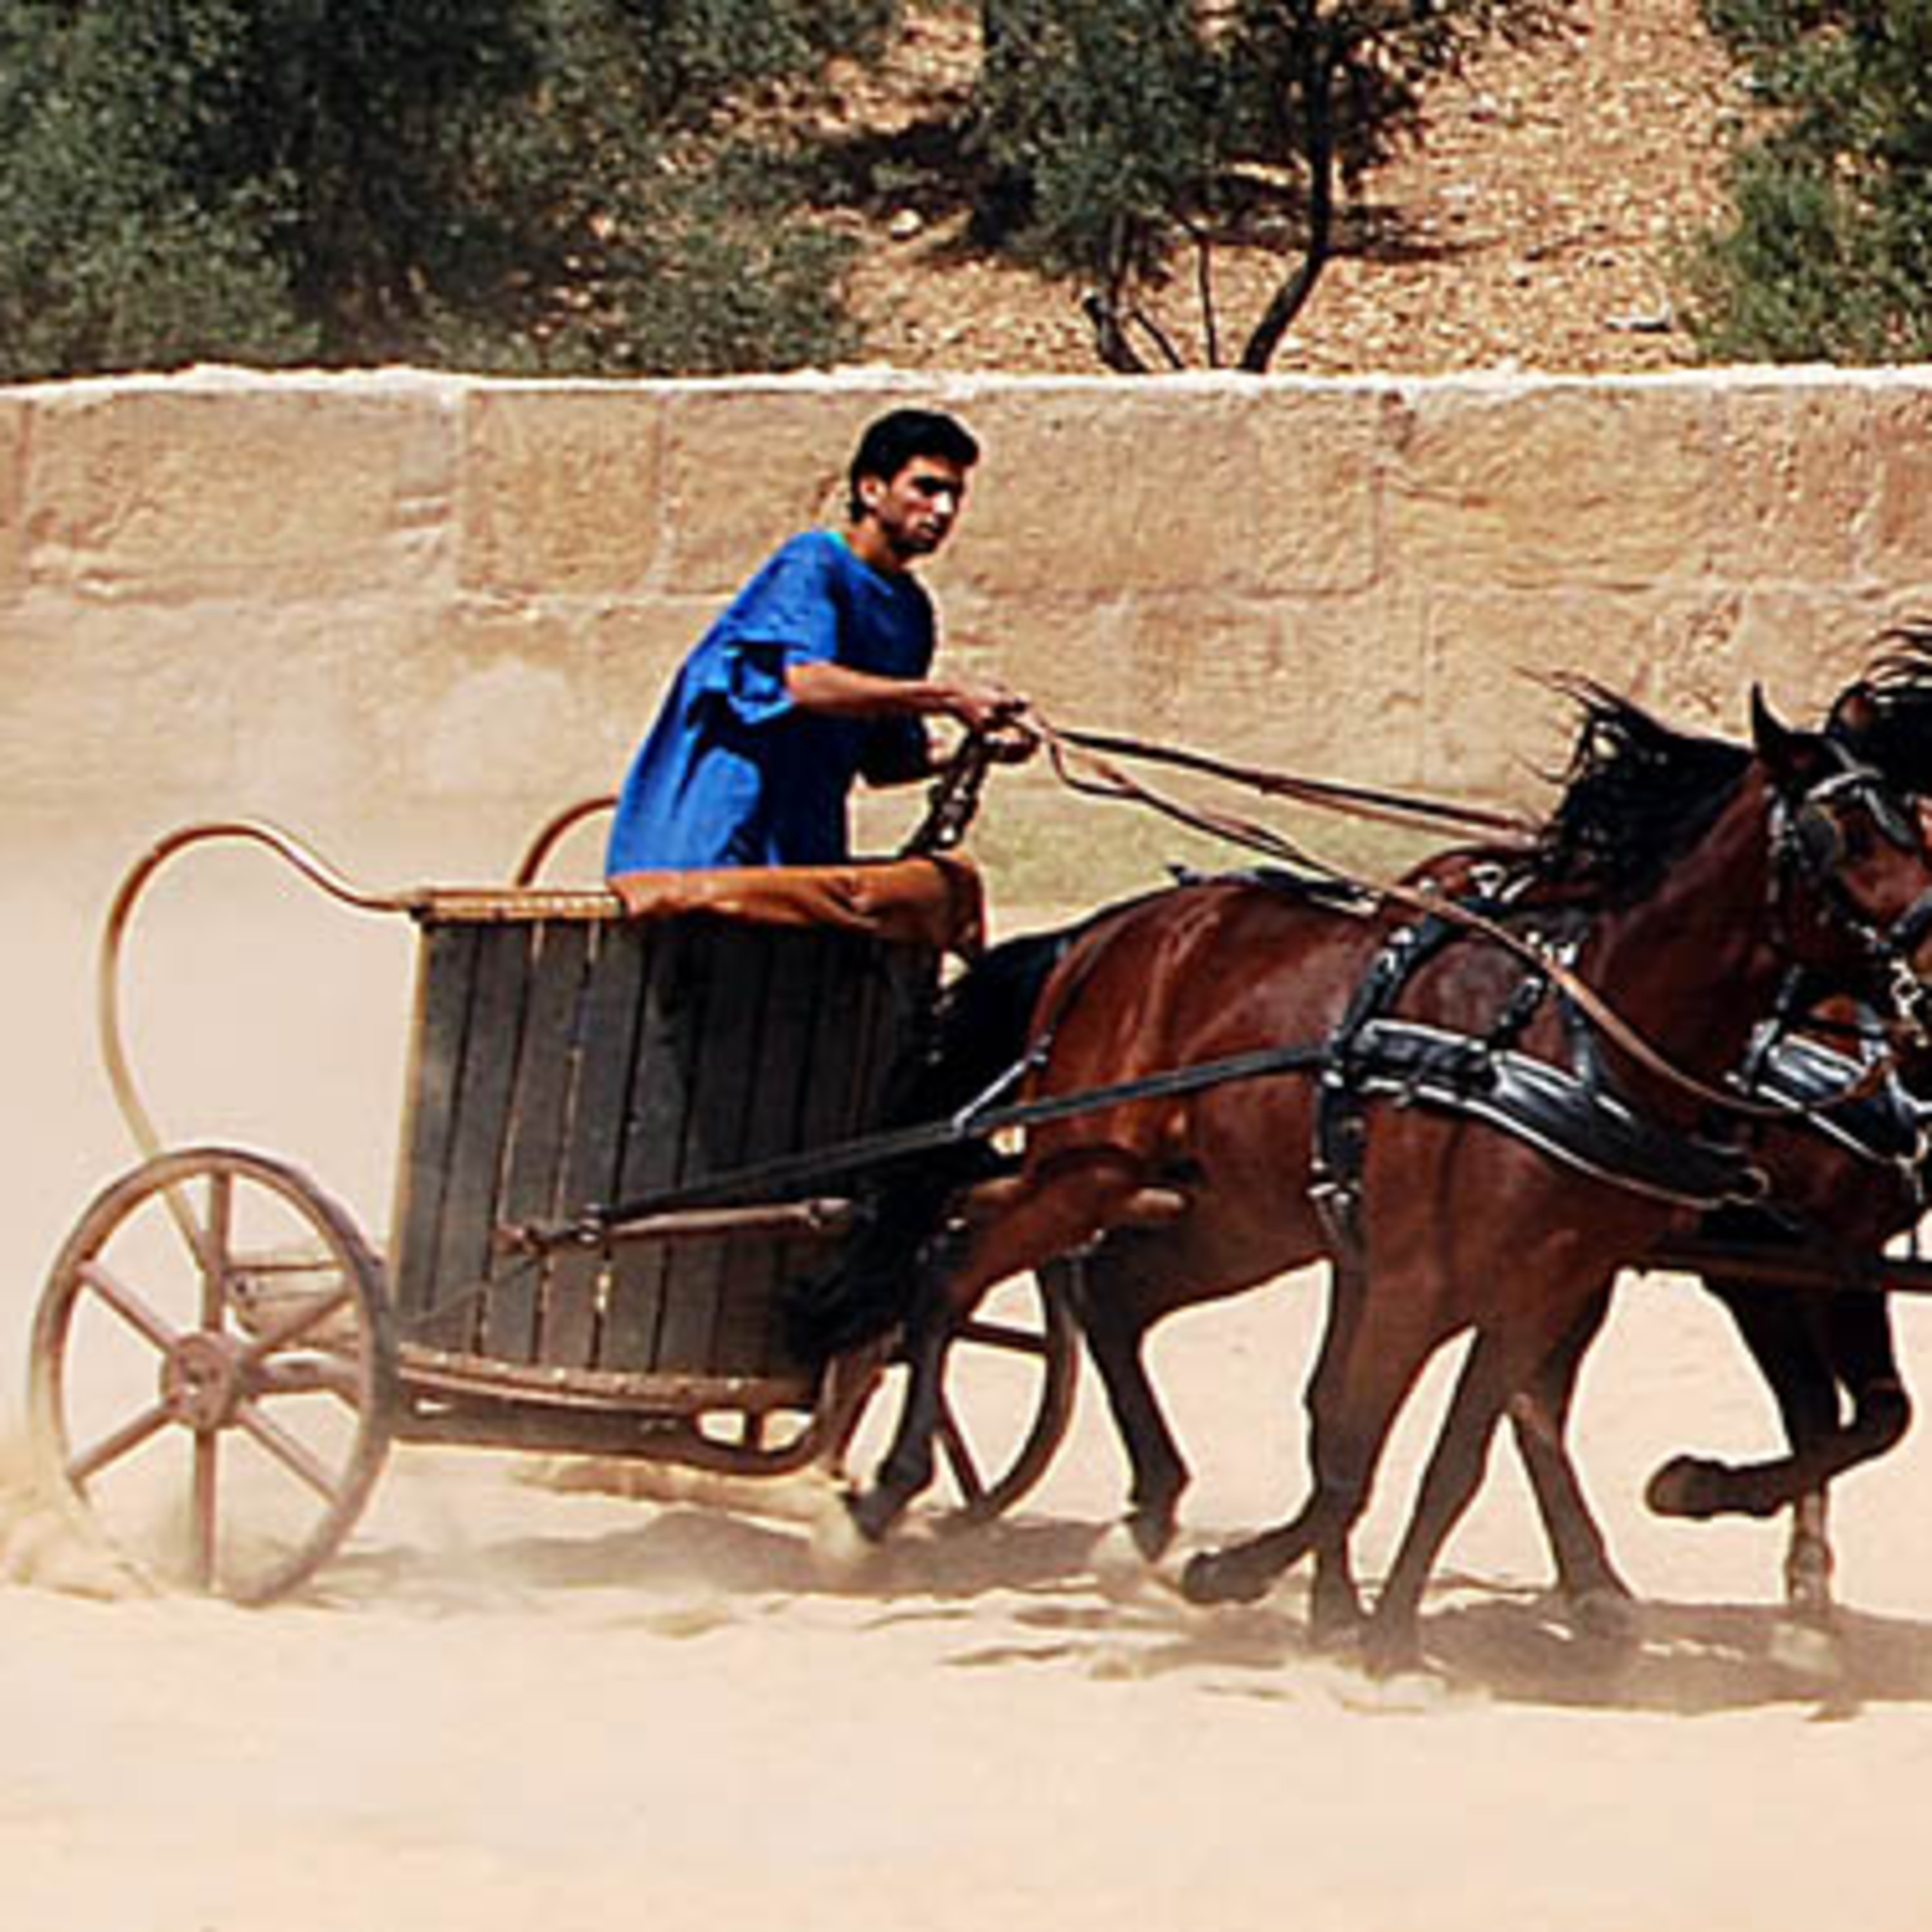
(1572, 1113)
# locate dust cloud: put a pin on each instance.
(522, 1694)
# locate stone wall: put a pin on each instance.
(447, 603)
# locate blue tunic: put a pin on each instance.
(733, 773)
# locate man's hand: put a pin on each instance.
(1011, 743)
(986, 706)
(996, 714)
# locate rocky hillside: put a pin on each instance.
(1538, 219)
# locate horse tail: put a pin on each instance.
(978, 1034)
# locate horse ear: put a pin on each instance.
(1853, 715)
(1793, 758)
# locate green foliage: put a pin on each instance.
(513, 183)
(1828, 253)
(1106, 111)
(1116, 131)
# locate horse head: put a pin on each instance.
(1850, 867)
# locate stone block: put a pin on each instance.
(124, 704)
(1803, 643)
(279, 491)
(500, 703)
(327, 598)
(747, 466)
(1551, 486)
(1796, 467)
(1896, 549)
(562, 490)
(1228, 488)
(14, 418)
(1498, 727)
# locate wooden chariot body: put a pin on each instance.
(570, 1053)
(219, 1359)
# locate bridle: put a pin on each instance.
(1809, 846)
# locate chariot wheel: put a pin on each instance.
(1007, 1400)
(213, 1372)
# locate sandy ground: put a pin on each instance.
(507, 1705)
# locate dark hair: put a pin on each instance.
(895, 438)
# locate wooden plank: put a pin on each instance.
(465, 1245)
(445, 975)
(833, 1105)
(663, 1073)
(729, 1018)
(547, 1072)
(901, 989)
(608, 1018)
(750, 1272)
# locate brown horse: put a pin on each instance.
(1707, 871)
(1842, 1183)
(1846, 1177)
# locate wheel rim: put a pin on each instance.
(995, 1445)
(213, 1371)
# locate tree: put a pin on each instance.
(1118, 134)
(537, 184)
(1828, 254)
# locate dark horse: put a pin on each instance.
(1707, 871)
(1825, 1352)
(1846, 1176)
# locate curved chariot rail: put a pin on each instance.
(553, 831)
(244, 831)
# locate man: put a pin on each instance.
(817, 674)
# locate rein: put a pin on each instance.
(1359, 801)
(1065, 747)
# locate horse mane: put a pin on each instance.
(1886, 720)
(1636, 794)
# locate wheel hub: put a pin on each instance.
(202, 1382)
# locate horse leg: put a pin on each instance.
(1805, 1354)
(1115, 1323)
(1454, 1472)
(1809, 1561)
(1057, 1213)
(1538, 1407)
(1789, 1351)
(1335, 1601)
(1858, 1337)
(1599, 1601)
(1360, 1382)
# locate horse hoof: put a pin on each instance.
(1335, 1622)
(842, 1548)
(1806, 1649)
(1607, 1621)
(1413, 1691)
(1224, 1577)
(1121, 1568)
(1392, 1654)
(1687, 1486)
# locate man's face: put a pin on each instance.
(916, 511)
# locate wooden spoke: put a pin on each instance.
(132, 1433)
(310, 1313)
(129, 1306)
(268, 1497)
(1002, 1335)
(309, 1374)
(1007, 1399)
(214, 1247)
(286, 1450)
(959, 1456)
(205, 1517)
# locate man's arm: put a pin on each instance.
(838, 691)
